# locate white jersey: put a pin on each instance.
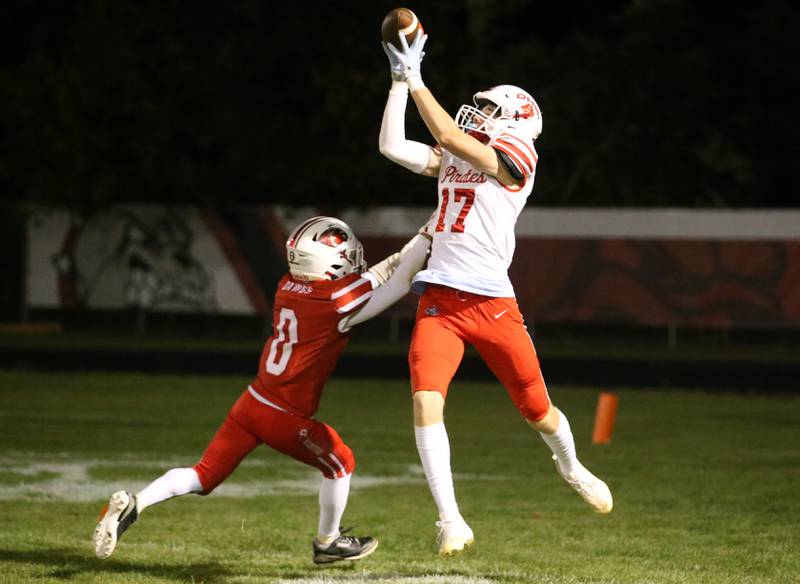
(473, 240)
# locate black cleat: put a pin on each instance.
(117, 517)
(344, 547)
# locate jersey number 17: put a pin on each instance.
(464, 196)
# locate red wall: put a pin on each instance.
(649, 282)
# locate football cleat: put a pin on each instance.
(344, 547)
(117, 517)
(594, 491)
(453, 536)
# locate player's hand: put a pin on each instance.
(395, 65)
(411, 56)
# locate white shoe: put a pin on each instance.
(118, 516)
(453, 536)
(594, 491)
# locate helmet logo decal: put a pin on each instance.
(527, 111)
(332, 237)
(344, 256)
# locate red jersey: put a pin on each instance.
(302, 352)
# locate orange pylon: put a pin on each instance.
(605, 417)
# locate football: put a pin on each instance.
(400, 20)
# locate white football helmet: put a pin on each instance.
(324, 248)
(513, 108)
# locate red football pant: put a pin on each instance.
(448, 318)
(250, 423)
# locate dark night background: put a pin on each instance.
(645, 103)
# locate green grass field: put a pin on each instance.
(706, 487)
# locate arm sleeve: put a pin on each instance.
(412, 258)
(512, 168)
(392, 141)
(383, 270)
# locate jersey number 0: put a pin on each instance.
(287, 337)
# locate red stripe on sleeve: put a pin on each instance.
(522, 158)
(353, 297)
(523, 170)
(524, 144)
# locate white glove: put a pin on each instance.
(395, 65)
(411, 59)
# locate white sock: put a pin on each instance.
(333, 495)
(173, 483)
(562, 444)
(434, 453)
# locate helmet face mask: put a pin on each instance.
(514, 108)
(324, 248)
(480, 121)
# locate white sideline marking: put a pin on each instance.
(72, 480)
(391, 580)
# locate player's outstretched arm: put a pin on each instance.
(440, 124)
(401, 268)
(383, 270)
(450, 137)
(392, 143)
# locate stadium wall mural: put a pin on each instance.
(645, 267)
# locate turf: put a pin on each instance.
(706, 487)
